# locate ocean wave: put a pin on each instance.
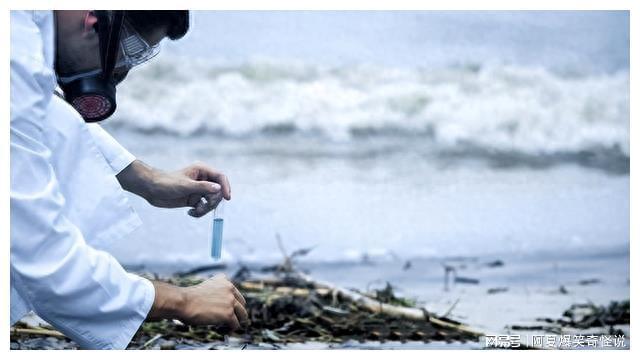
(497, 108)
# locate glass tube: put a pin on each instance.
(216, 233)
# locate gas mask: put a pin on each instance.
(93, 93)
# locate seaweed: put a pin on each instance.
(288, 306)
(583, 317)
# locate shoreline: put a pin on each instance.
(509, 297)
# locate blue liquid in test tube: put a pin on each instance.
(216, 248)
(216, 234)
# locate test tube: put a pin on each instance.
(216, 234)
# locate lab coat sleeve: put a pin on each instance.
(81, 291)
(117, 156)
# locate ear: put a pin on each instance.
(89, 22)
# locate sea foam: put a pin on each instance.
(528, 110)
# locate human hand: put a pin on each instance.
(214, 302)
(181, 188)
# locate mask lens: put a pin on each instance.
(135, 50)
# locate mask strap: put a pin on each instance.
(109, 33)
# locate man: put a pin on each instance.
(67, 177)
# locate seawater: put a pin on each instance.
(432, 205)
(468, 132)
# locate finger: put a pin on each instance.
(226, 188)
(204, 187)
(218, 177)
(241, 313)
(233, 321)
(192, 213)
(193, 199)
(239, 296)
(206, 204)
(199, 209)
(212, 201)
(215, 187)
(201, 205)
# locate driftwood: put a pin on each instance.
(150, 342)
(37, 331)
(291, 307)
(370, 304)
(375, 306)
(200, 269)
(297, 308)
(284, 290)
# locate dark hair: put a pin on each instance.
(146, 21)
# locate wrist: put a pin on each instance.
(170, 302)
(137, 178)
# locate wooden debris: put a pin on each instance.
(586, 282)
(37, 331)
(495, 264)
(465, 280)
(584, 317)
(201, 269)
(497, 290)
(291, 306)
(150, 342)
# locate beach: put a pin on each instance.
(510, 292)
(480, 172)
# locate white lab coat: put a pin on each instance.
(66, 204)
